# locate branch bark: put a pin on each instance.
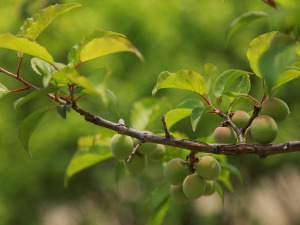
(195, 146)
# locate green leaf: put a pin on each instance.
(24, 45)
(220, 192)
(3, 90)
(208, 73)
(225, 80)
(240, 100)
(274, 61)
(159, 214)
(242, 21)
(146, 111)
(198, 113)
(86, 157)
(242, 88)
(101, 43)
(285, 77)
(232, 169)
(35, 25)
(154, 199)
(175, 115)
(225, 179)
(118, 173)
(28, 125)
(74, 54)
(184, 79)
(256, 48)
(62, 110)
(32, 95)
(45, 69)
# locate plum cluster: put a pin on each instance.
(122, 147)
(185, 186)
(263, 129)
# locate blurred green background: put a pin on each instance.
(171, 35)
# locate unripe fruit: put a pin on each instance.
(208, 168)
(147, 148)
(240, 118)
(136, 164)
(175, 171)
(276, 108)
(248, 137)
(193, 186)
(225, 135)
(177, 194)
(210, 187)
(121, 146)
(264, 129)
(158, 154)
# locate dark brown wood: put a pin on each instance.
(195, 146)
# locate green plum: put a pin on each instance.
(136, 164)
(121, 146)
(276, 108)
(240, 118)
(210, 187)
(193, 186)
(158, 154)
(177, 194)
(248, 136)
(175, 171)
(264, 129)
(208, 168)
(225, 135)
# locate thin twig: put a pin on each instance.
(138, 145)
(167, 134)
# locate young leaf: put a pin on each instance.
(45, 69)
(86, 157)
(21, 101)
(198, 113)
(274, 61)
(35, 25)
(285, 77)
(159, 214)
(99, 47)
(224, 81)
(28, 125)
(256, 48)
(24, 45)
(184, 79)
(242, 21)
(65, 76)
(62, 110)
(3, 90)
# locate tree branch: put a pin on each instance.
(195, 146)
